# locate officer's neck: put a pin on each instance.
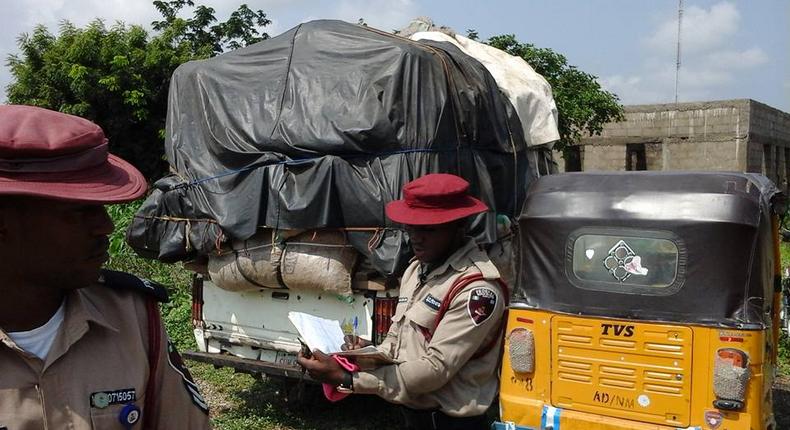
(26, 307)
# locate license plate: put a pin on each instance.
(285, 358)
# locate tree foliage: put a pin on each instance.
(119, 76)
(584, 107)
(205, 39)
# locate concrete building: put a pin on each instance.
(730, 135)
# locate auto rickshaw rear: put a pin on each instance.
(644, 301)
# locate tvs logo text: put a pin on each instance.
(617, 330)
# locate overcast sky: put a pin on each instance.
(730, 49)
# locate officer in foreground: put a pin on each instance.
(80, 347)
(446, 331)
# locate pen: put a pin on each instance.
(305, 349)
(356, 330)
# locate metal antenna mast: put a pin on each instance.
(677, 57)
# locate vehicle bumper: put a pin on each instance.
(246, 365)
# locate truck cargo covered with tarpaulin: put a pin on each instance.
(320, 127)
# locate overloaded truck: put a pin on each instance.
(283, 155)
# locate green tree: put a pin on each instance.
(584, 107)
(119, 76)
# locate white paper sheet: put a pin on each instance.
(318, 333)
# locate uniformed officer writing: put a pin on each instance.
(80, 347)
(445, 333)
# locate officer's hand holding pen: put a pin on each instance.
(354, 342)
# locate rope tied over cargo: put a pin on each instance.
(297, 161)
(375, 239)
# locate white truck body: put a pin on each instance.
(254, 325)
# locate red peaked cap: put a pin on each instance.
(50, 154)
(432, 199)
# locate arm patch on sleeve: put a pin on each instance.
(175, 361)
(481, 304)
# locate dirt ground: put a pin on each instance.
(782, 402)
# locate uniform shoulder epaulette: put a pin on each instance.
(121, 280)
(485, 266)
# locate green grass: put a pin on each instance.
(784, 355)
(177, 314)
(784, 341)
(250, 403)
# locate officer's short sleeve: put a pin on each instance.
(179, 404)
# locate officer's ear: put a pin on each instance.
(6, 203)
(461, 228)
(3, 223)
(12, 209)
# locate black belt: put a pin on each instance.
(417, 419)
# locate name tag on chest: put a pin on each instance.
(103, 399)
(432, 302)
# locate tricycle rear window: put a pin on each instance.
(625, 261)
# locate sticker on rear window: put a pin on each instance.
(622, 262)
(625, 261)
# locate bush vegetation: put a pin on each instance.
(176, 314)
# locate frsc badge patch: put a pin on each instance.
(481, 304)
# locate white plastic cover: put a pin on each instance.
(528, 91)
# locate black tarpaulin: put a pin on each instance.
(320, 127)
(719, 222)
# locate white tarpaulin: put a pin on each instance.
(528, 91)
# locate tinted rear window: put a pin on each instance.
(626, 261)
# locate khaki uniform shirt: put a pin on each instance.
(101, 347)
(441, 373)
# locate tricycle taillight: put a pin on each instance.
(730, 378)
(383, 310)
(521, 348)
